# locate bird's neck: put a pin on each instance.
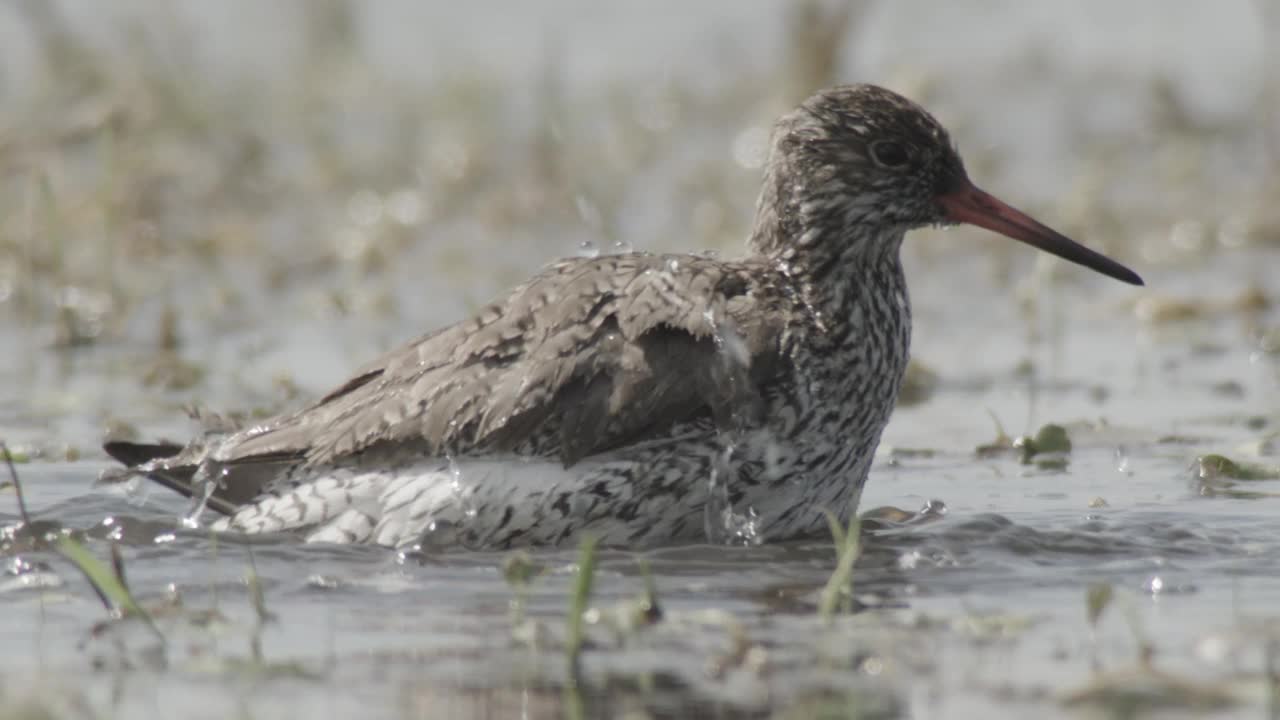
(837, 252)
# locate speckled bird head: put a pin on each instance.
(856, 166)
(870, 153)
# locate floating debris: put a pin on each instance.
(1126, 694)
(1215, 467)
(1047, 449)
(1219, 476)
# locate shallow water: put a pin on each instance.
(976, 611)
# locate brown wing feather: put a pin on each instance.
(589, 354)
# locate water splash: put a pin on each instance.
(723, 524)
(206, 480)
(461, 493)
(1122, 460)
(439, 534)
(727, 338)
(740, 398)
(774, 453)
(136, 490)
(733, 346)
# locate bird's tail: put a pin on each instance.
(148, 459)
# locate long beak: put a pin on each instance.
(971, 205)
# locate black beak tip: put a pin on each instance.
(1129, 276)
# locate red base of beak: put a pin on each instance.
(971, 205)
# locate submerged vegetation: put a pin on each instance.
(154, 200)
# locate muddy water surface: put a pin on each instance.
(972, 602)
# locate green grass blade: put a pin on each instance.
(840, 585)
(581, 598)
(103, 579)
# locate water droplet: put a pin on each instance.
(933, 508)
(461, 493)
(588, 249)
(1154, 586)
(1122, 461)
(135, 490)
(622, 246)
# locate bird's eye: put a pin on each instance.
(889, 154)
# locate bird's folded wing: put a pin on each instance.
(588, 355)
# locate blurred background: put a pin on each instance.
(236, 203)
(231, 205)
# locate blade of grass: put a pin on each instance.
(105, 581)
(17, 485)
(26, 522)
(109, 585)
(839, 588)
(578, 603)
(837, 530)
(580, 599)
(262, 615)
(256, 595)
(117, 566)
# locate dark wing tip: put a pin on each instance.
(131, 453)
